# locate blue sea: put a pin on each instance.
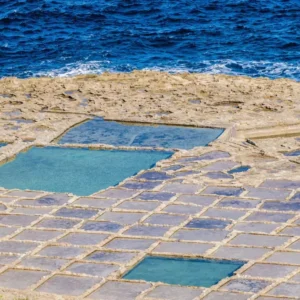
(70, 37)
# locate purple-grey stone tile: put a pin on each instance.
(141, 185)
(5, 231)
(207, 224)
(134, 205)
(125, 218)
(182, 209)
(218, 175)
(206, 235)
(286, 289)
(207, 156)
(224, 213)
(197, 199)
(17, 220)
(160, 196)
(116, 193)
(285, 257)
(20, 279)
(6, 259)
(269, 270)
(254, 227)
(239, 203)
(24, 194)
(112, 257)
(296, 278)
(42, 263)
(292, 231)
(173, 168)
(2, 207)
(32, 210)
(295, 246)
(7, 200)
(76, 213)
(95, 203)
(49, 200)
(17, 247)
(169, 292)
(143, 230)
(154, 175)
(129, 244)
(270, 217)
(297, 222)
(113, 290)
(177, 180)
(100, 270)
(182, 188)
(259, 240)
(269, 298)
(240, 253)
(296, 197)
(63, 252)
(220, 166)
(37, 235)
(165, 219)
(182, 248)
(226, 296)
(281, 184)
(262, 193)
(81, 238)
(57, 223)
(246, 285)
(101, 226)
(67, 285)
(185, 173)
(223, 191)
(282, 206)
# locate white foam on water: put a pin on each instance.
(244, 68)
(230, 67)
(78, 68)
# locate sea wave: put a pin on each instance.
(65, 38)
(230, 67)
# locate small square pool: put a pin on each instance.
(182, 271)
(74, 170)
(99, 131)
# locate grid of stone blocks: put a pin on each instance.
(81, 246)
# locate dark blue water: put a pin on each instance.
(68, 37)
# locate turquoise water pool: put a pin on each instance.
(77, 171)
(180, 271)
(99, 131)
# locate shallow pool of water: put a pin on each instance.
(77, 171)
(181, 271)
(240, 169)
(99, 131)
(293, 153)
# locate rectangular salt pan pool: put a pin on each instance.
(78, 171)
(181, 271)
(99, 131)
